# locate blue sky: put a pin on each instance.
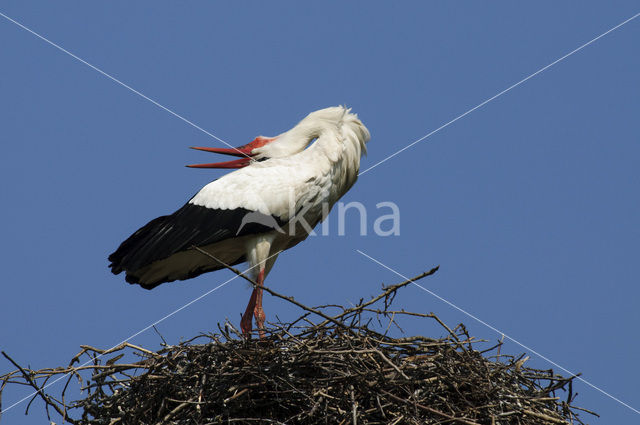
(529, 204)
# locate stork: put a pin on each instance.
(282, 188)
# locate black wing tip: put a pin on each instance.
(115, 268)
(191, 225)
(135, 280)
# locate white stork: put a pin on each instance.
(284, 186)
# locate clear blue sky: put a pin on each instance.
(531, 204)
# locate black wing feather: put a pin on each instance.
(190, 225)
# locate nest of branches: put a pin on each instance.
(319, 369)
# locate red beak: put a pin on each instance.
(244, 151)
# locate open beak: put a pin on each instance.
(245, 152)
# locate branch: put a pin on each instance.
(46, 398)
(274, 293)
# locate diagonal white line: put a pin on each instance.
(501, 93)
(139, 332)
(499, 332)
(114, 79)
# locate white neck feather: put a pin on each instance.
(340, 140)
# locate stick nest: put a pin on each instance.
(322, 368)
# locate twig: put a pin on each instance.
(431, 410)
(387, 291)
(39, 391)
(274, 293)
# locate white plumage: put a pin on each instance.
(255, 212)
(329, 165)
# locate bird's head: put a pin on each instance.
(248, 153)
(334, 120)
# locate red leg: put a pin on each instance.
(258, 312)
(245, 323)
